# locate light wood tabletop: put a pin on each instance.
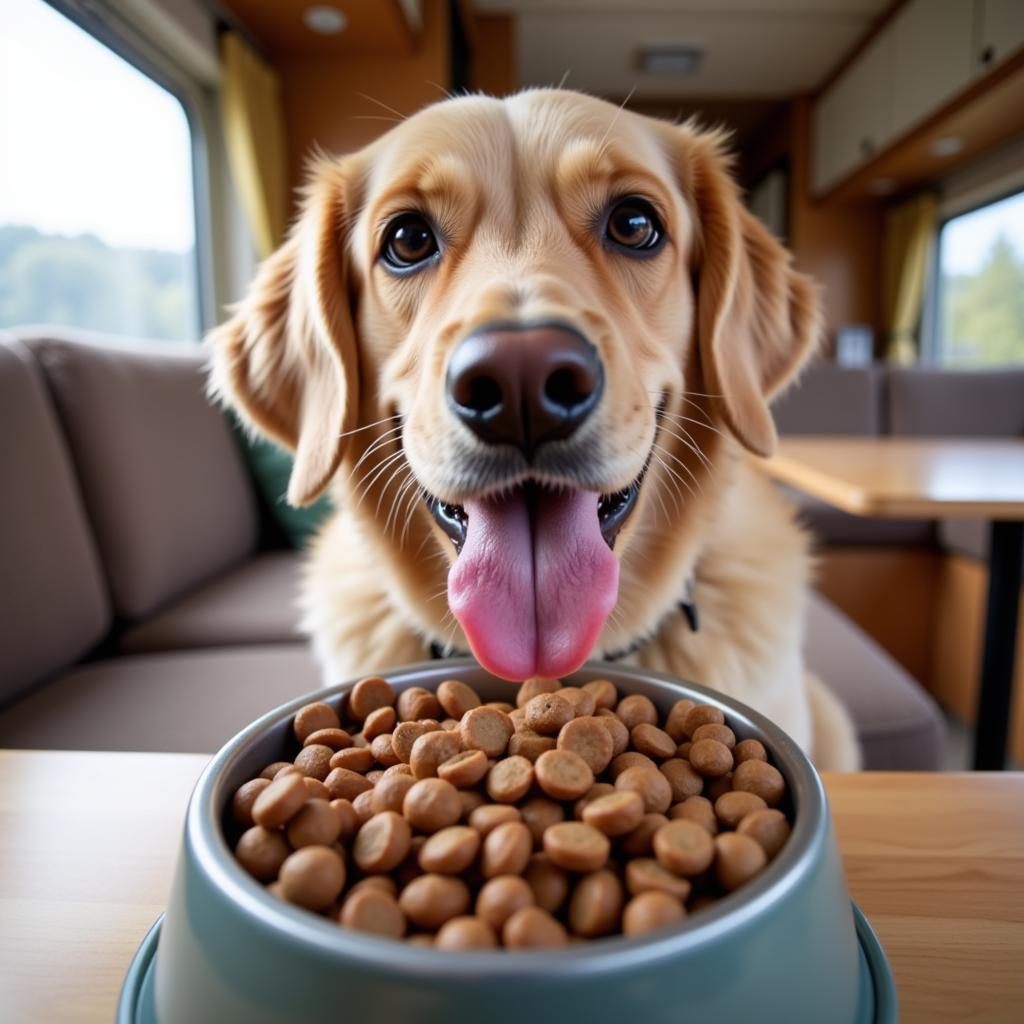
(930, 478)
(88, 843)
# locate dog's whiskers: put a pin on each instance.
(687, 439)
(368, 426)
(383, 106)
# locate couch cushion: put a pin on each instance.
(165, 487)
(829, 399)
(956, 403)
(53, 598)
(898, 724)
(254, 603)
(184, 701)
(830, 525)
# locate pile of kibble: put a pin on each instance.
(465, 825)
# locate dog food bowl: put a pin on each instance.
(788, 946)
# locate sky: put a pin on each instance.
(966, 240)
(90, 144)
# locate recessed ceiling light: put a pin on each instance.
(662, 59)
(948, 145)
(324, 20)
(882, 186)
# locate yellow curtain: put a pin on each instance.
(254, 132)
(909, 243)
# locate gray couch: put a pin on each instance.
(142, 606)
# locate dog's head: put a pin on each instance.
(507, 305)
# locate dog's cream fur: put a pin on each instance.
(330, 354)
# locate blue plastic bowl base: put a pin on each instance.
(137, 1006)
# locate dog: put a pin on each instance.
(529, 345)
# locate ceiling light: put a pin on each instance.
(948, 145)
(324, 20)
(664, 59)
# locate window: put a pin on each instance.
(97, 216)
(980, 280)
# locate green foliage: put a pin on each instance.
(983, 313)
(82, 282)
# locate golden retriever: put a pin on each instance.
(527, 343)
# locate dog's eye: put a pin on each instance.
(633, 224)
(408, 242)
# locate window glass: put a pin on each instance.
(97, 221)
(981, 286)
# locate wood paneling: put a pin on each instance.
(493, 65)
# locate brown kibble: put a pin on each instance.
(471, 800)
(697, 809)
(702, 714)
(749, 750)
(652, 786)
(363, 806)
(598, 789)
(416, 703)
(576, 846)
(534, 686)
(404, 738)
(290, 769)
(244, 798)
(317, 824)
(714, 788)
(590, 739)
(464, 769)
(466, 934)
(506, 850)
(652, 741)
(261, 852)
(684, 780)
(549, 883)
(430, 900)
(509, 780)
(336, 739)
(676, 719)
(383, 883)
(636, 710)
(486, 729)
(538, 814)
(370, 909)
(596, 905)
(389, 793)
(279, 801)
(271, 770)
(368, 695)
(738, 858)
(501, 705)
(377, 774)
(457, 698)
(711, 758)
(355, 759)
(380, 721)
(684, 847)
(347, 818)
(732, 807)
(313, 877)
(650, 911)
(489, 816)
(618, 732)
(382, 843)
(639, 842)
(713, 731)
(518, 718)
(582, 703)
(311, 717)
(450, 851)
(432, 804)
(761, 778)
(768, 827)
(683, 750)
(315, 789)
(314, 761)
(629, 759)
(533, 928)
(645, 874)
(604, 693)
(547, 713)
(383, 750)
(615, 814)
(500, 897)
(431, 750)
(346, 785)
(529, 744)
(563, 774)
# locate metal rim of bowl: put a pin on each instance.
(213, 855)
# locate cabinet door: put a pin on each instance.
(1000, 30)
(933, 57)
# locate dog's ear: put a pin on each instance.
(757, 319)
(287, 358)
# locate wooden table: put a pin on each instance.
(935, 478)
(88, 842)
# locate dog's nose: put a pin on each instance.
(523, 386)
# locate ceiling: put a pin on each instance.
(752, 48)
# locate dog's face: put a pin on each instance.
(510, 303)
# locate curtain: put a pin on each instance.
(255, 137)
(910, 231)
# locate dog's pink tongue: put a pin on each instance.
(532, 594)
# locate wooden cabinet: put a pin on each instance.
(999, 28)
